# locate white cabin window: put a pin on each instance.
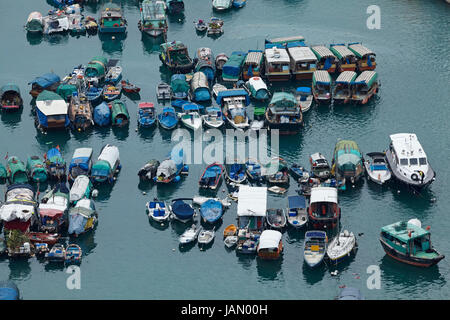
(404, 162)
(413, 162)
(423, 161)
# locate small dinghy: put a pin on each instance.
(114, 74)
(211, 177)
(304, 98)
(211, 211)
(253, 170)
(215, 26)
(129, 87)
(73, 253)
(319, 166)
(146, 115)
(277, 189)
(56, 254)
(168, 119)
(231, 241)
(42, 237)
(281, 175)
(276, 218)
(315, 247)
(213, 118)
(158, 210)
(229, 231)
(190, 235)
(163, 91)
(148, 171)
(94, 94)
(111, 92)
(181, 210)
(376, 168)
(81, 188)
(200, 25)
(296, 213)
(205, 237)
(235, 172)
(190, 116)
(341, 247)
(299, 173)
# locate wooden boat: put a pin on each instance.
(229, 231)
(82, 218)
(253, 170)
(321, 86)
(181, 210)
(81, 163)
(365, 87)
(303, 61)
(276, 218)
(277, 63)
(326, 60)
(284, 113)
(111, 20)
(235, 172)
(211, 210)
(80, 113)
(221, 59)
(81, 188)
(215, 27)
(107, 165)
(57, 253)
(319, 166)
(296, 214)
(73, 254)
(205, 63)
(111, 92)
(146, 115)
(129, 87)
(175, 6)
(119, 114)
(200, 25)
(239, 3)
(299, 173)
(341, 247)
(200, 87)
(10, 99)
(278, 172)
(221, 5)
(409, 243)
(230, 241)
(148, 171)
(323, 210)
(211, 177)
(343, 90)
(304, 98)
(190, 116)
(163, 91)
(234, 103)
(315, 247)
(158, 210)
(35, 23)
(270, 245)
(253, 64)
(213, 118)
(206, 237)
(174, 55)
(42, 237)
(346, 58)
(365, 57)
(55, 164)
(190, 235)
(376, 167)
(153, 20)
(17, 172)
(168, 119)
(347, 161)
(232, 69)
(170, 169)
(48, 81)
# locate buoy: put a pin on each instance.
(113, 37)
(173, 249)
(136, 130)
(95, 193)
(144, 193)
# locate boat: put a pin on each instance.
(409, 243)
(55, 164)
(213, 118)
(215, 26)
(119, 114)
(179, 87)
(232, 69)
(253, 170)
(326, 60)
(221, 59)
(315, 247)
(170, 169)
(365, 58)
(80, 113)
(57, 253)
(113, 72)
(51, 111)
(349, 293)
(257, 89)
(95, 70)
(55, 22)
(341, 247)
(94, 94)
(67, 91)
(82, 218)
(365, 87)
(76, 23)
(107, 165)
(43, 237)
(408, 161)
(277, 171)
(73, 254)
(190, 235)
(10, 99)
(17, 172)
(235, 172)
(181, 210)
(319, 166)
(168, 118)
(303, 61)
(299, 173)
(229, 231)
(9, 291)
(347, 161)
(376, 167)
(211, 210)
(277, 190)
(48, 81)
(129, 87)
(53, 209)
(217, 88)
(81, 188)
(296, 214)
(277, 63)
(163, 91)
(102, 115)
(221, 5)
(146, 115)
(158, 210)
(41, 249)
(270, 245)
(111, 20)
(230, 241)
(200, 87)
(321, 86)
(81, 163)
(90, 24)
(148, 171)
(253, 64)
(190, 116)
(35, 23)
(36, 170)
(174, 55)
(200, 25)
(239, 3)
(276, 218)
(346, 58)
(3, 174)
(284, 113)
(206, 237)
(111, 92)
(175, 6)
(153, 20)
(323, 210)
(304, 98)
(205, 63)
(343, 90)
(211, 177)
(234, 103)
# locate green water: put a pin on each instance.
(128, 258)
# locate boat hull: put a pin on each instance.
(286, 128)
(364, 99)
(302, 75)
(418, 262)
(112, 30)
(278, 77)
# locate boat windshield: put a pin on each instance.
(422, 161)
(413, 162)
(404, 162)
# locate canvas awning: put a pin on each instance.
(109, 154)
(323, 194)
(49, 103)
(299, 54)
(252, 201)
(269, 239)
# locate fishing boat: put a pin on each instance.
(257, 89)
(168, 118)
(270, 245)
(234, 103)
(409, 243)
(73, 254)
(175, 6)
(107, 165)
(215, 26)
(113, 72)
(51, 111)
(323, 211)
(347, 161)
(55, 22)
(119, 114)
(376, 167)
(35, 23)
(239, 3)
(343, 90)
(80, 113)
(221, 5)
(94, 94)
(48, 81)
(319, 166)
(81, 163)
(53, 209)
(153, 20)
(346, 59)
(111, 20)
(200, 87)
(341, 247)
(81, 188)
(321, 86)
(231, 70)
(211, 211)
(163, 91)
(205, 63)
(181, 210)
(200, 25)
(253, 170)
(303, 61)
(158, 210)
(174, 55)
(365, 87)
(170, 169)
(82, 218)
(102, 115)
(55, 164)
(206, 237)
(277, 63)
(10, 99)
(326, 60)
(146, 115)
(190, 116)
(129, 87)
(211, 177)
(190, 235)
(276, 218)
(57, 253)
(221, 59)
(284, 113)
(315, 247)
(365, 57)
(213, 118)
(179, 87)
(111, 92)
(96, 69)
(148, 171)
(36, 170)
(296, 214)
(253, 64)
(277, 172)
(235, 172)
(17, 172)
(408, 161)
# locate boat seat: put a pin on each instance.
(152, 205)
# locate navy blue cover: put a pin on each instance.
(182, 210)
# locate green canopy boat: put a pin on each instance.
(36, 169)
(119, 112)
(96, 68)
(66, 91)
(347, 161)
(3, 172)
(16, 171)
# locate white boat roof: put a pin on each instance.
(323, 194)
(407, 145)
(269, 239)
(302, 54)
(252, 201)
(79, 187)
(277, 55)
(343, 51)
(365, 76)
(52, 107)
(60, 203)
(254, 57)
(110, 154)
(316, 156)
(285, 39)
(322, 76)
(12, 211)
(82, 153)
(362, 50)
(346, 76)
(257, 83)
(323, 51)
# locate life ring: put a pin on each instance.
(116, 25)
(414, 177)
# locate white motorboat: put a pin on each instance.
(190, 235)
(206, 237)
(158, 210)
(341, 247)
(296, 213)
(190, 116)
(230, 241)
(213, 118)
(56, 24)
(376, 167)
(315, 247)
(304, 98)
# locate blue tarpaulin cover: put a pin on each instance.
(182, 210)
(77, 223)
(8, 291)
(211, 210)
(102, 114)
(233, 93)
(296, 202)
(46, 80)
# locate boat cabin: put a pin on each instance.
(319, 165)
(365, 57)
(270, 245)
(51, 111)
(321, 86)
(324, 210)
(111, 20)
(346, 58)
(326, 60)
(365, 86)
(253, 64)
(175, 56)
(343, 89)
(10, 98)
(153, 18)
(277, 64)
(303, 62)
(284, 113)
